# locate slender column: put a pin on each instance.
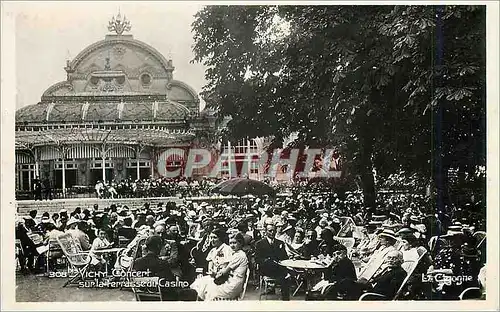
(249, 159)
(29, 181)
(63, 176)
(138, 169)
(152, 161)
(36, 158)
(103, 169)
(104, 152)
(37, 162)
(228, 155)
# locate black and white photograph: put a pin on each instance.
(202, 154)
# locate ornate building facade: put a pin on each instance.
(114, 117)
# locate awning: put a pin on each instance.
(157, 137)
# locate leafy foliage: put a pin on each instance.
(395, 87)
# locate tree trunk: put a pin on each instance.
(366, 172)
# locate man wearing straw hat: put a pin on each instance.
(78, 235)
(387, 241)
(385, 281)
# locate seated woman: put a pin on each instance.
(408, 247)
(100, 242)
(295, 248)
(235, 271)
(298, 239)
(55, 251)
(218, 258)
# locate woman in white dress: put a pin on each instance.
(235, 271)
(100, 242)
(218, 257)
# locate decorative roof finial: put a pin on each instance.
(119, 25)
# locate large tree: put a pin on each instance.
(395, 87)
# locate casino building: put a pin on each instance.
(114, 117)
(121, 114)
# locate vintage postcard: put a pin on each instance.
(289, 155)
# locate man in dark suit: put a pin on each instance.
(310, 247)
(127, 231)
(386, 281)
(161, 268)
(152, 262)
(341, 268)
(268, 252)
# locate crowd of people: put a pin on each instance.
(161, 187)
(213, 245)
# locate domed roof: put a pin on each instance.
(77, 112)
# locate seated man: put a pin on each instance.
(75, 229)
(387, 240)
(386, 281)
(127, 231)
(310, 248)
(341, 268)
(160, 268)
(268, 252)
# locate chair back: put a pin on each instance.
(126, 261)
(371, 269)
(146, 293)
(480, 237)
(19, 247)
(72, 250)
(54, 245)
(36, 238)
(433, 242)
(411, 269)
(348, 242)
(123, 241)
(245, 284)
(348, 225)
(53, 248)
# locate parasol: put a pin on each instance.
(242, 186)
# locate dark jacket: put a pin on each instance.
(127, 232)
(310, 249)
(389, 282)
(265, 252)
(159, 268)
(328, 248)
(267, 257)
(344, 269)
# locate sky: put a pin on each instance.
(49, 33)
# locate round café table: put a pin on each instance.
(309, 267)
(303, 264)
(108, 251)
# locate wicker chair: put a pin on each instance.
(152, 293)
(78, 260)
(348, 242)
(265, 282)
(19, 253)
(53, 253)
